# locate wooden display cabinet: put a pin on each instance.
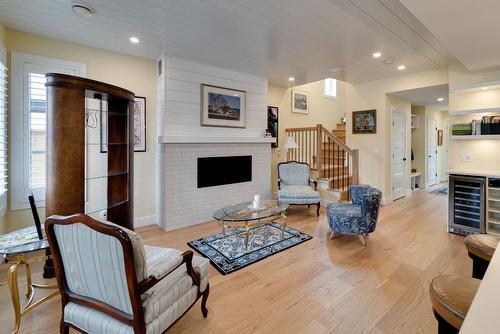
(89, 149)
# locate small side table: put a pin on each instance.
(19, 246)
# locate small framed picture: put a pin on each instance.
(364, 121)
(300, 102)
(139, 124)
(272, 124)
(223, 107)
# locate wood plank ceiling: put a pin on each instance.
(270, 38)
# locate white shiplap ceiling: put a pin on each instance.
(469, 29)
(270, 38)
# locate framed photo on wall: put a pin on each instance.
(272, 124)
(300, 102)
(222, 107)
(139, 124)
(364, 121)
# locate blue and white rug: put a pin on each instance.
(227, 253)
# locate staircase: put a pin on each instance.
(332, 162)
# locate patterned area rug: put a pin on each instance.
(227, 253)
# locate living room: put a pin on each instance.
(269, 184)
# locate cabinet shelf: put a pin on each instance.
(474, 137)
(475, 111)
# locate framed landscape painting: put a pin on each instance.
(222, 107)
(364, 121)
(139, 124)
(300, 102)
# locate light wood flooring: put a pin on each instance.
(320, 286)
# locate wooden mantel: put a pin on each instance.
(195, 139)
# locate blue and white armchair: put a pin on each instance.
(294, 185)
(358, 218)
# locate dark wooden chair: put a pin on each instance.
(111, 283)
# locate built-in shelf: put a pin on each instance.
(475, 111)
(475, 86)
(474, 137)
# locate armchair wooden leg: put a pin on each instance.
(64, 328)
(334, 235)
(362, 238)
(204, 309)
(317, 210)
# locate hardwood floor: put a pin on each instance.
(320, 286)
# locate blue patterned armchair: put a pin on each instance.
(111, 283)
(294, 185)
(360, 217)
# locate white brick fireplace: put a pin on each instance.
(182, 203)
(182, 141)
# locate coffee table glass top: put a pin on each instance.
(242, 212)
(22, 241)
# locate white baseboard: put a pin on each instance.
(143, 221)
(387, 200)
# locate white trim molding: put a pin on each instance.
(147, 220)
(22, 63)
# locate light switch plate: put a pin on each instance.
(465, 157)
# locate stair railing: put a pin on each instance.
(327, 154)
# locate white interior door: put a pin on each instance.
(431, 152)
(446, 138)
(398, 153)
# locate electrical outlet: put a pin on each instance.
(465, 157)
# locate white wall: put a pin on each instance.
(180, 202)
(182, 82)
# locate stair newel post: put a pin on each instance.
(355, 167)
(319, 148)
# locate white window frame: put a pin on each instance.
(3, 194)
(19, 138)
(334, 97)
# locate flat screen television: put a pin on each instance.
(216, 171)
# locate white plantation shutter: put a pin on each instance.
(37, 101)
(28, 124)
(3, 129)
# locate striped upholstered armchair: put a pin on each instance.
(111, 283)
(294, 185)
(359, 217)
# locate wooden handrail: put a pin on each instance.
(337, 141)
(327, 154)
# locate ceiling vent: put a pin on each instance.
(82, 9)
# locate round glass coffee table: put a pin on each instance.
(242, 216)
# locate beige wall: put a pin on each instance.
(323, 110)
(2, 33)
(132, 73)
(375, 152)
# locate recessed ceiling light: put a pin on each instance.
(388, 61)
(291, 79)
(484, 88)
(401, 67)
(377, 54)
(82, 10)
(134, 40)
(440, 99)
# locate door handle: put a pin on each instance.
(404, 159)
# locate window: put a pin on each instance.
(29, 123)
(330, 88)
